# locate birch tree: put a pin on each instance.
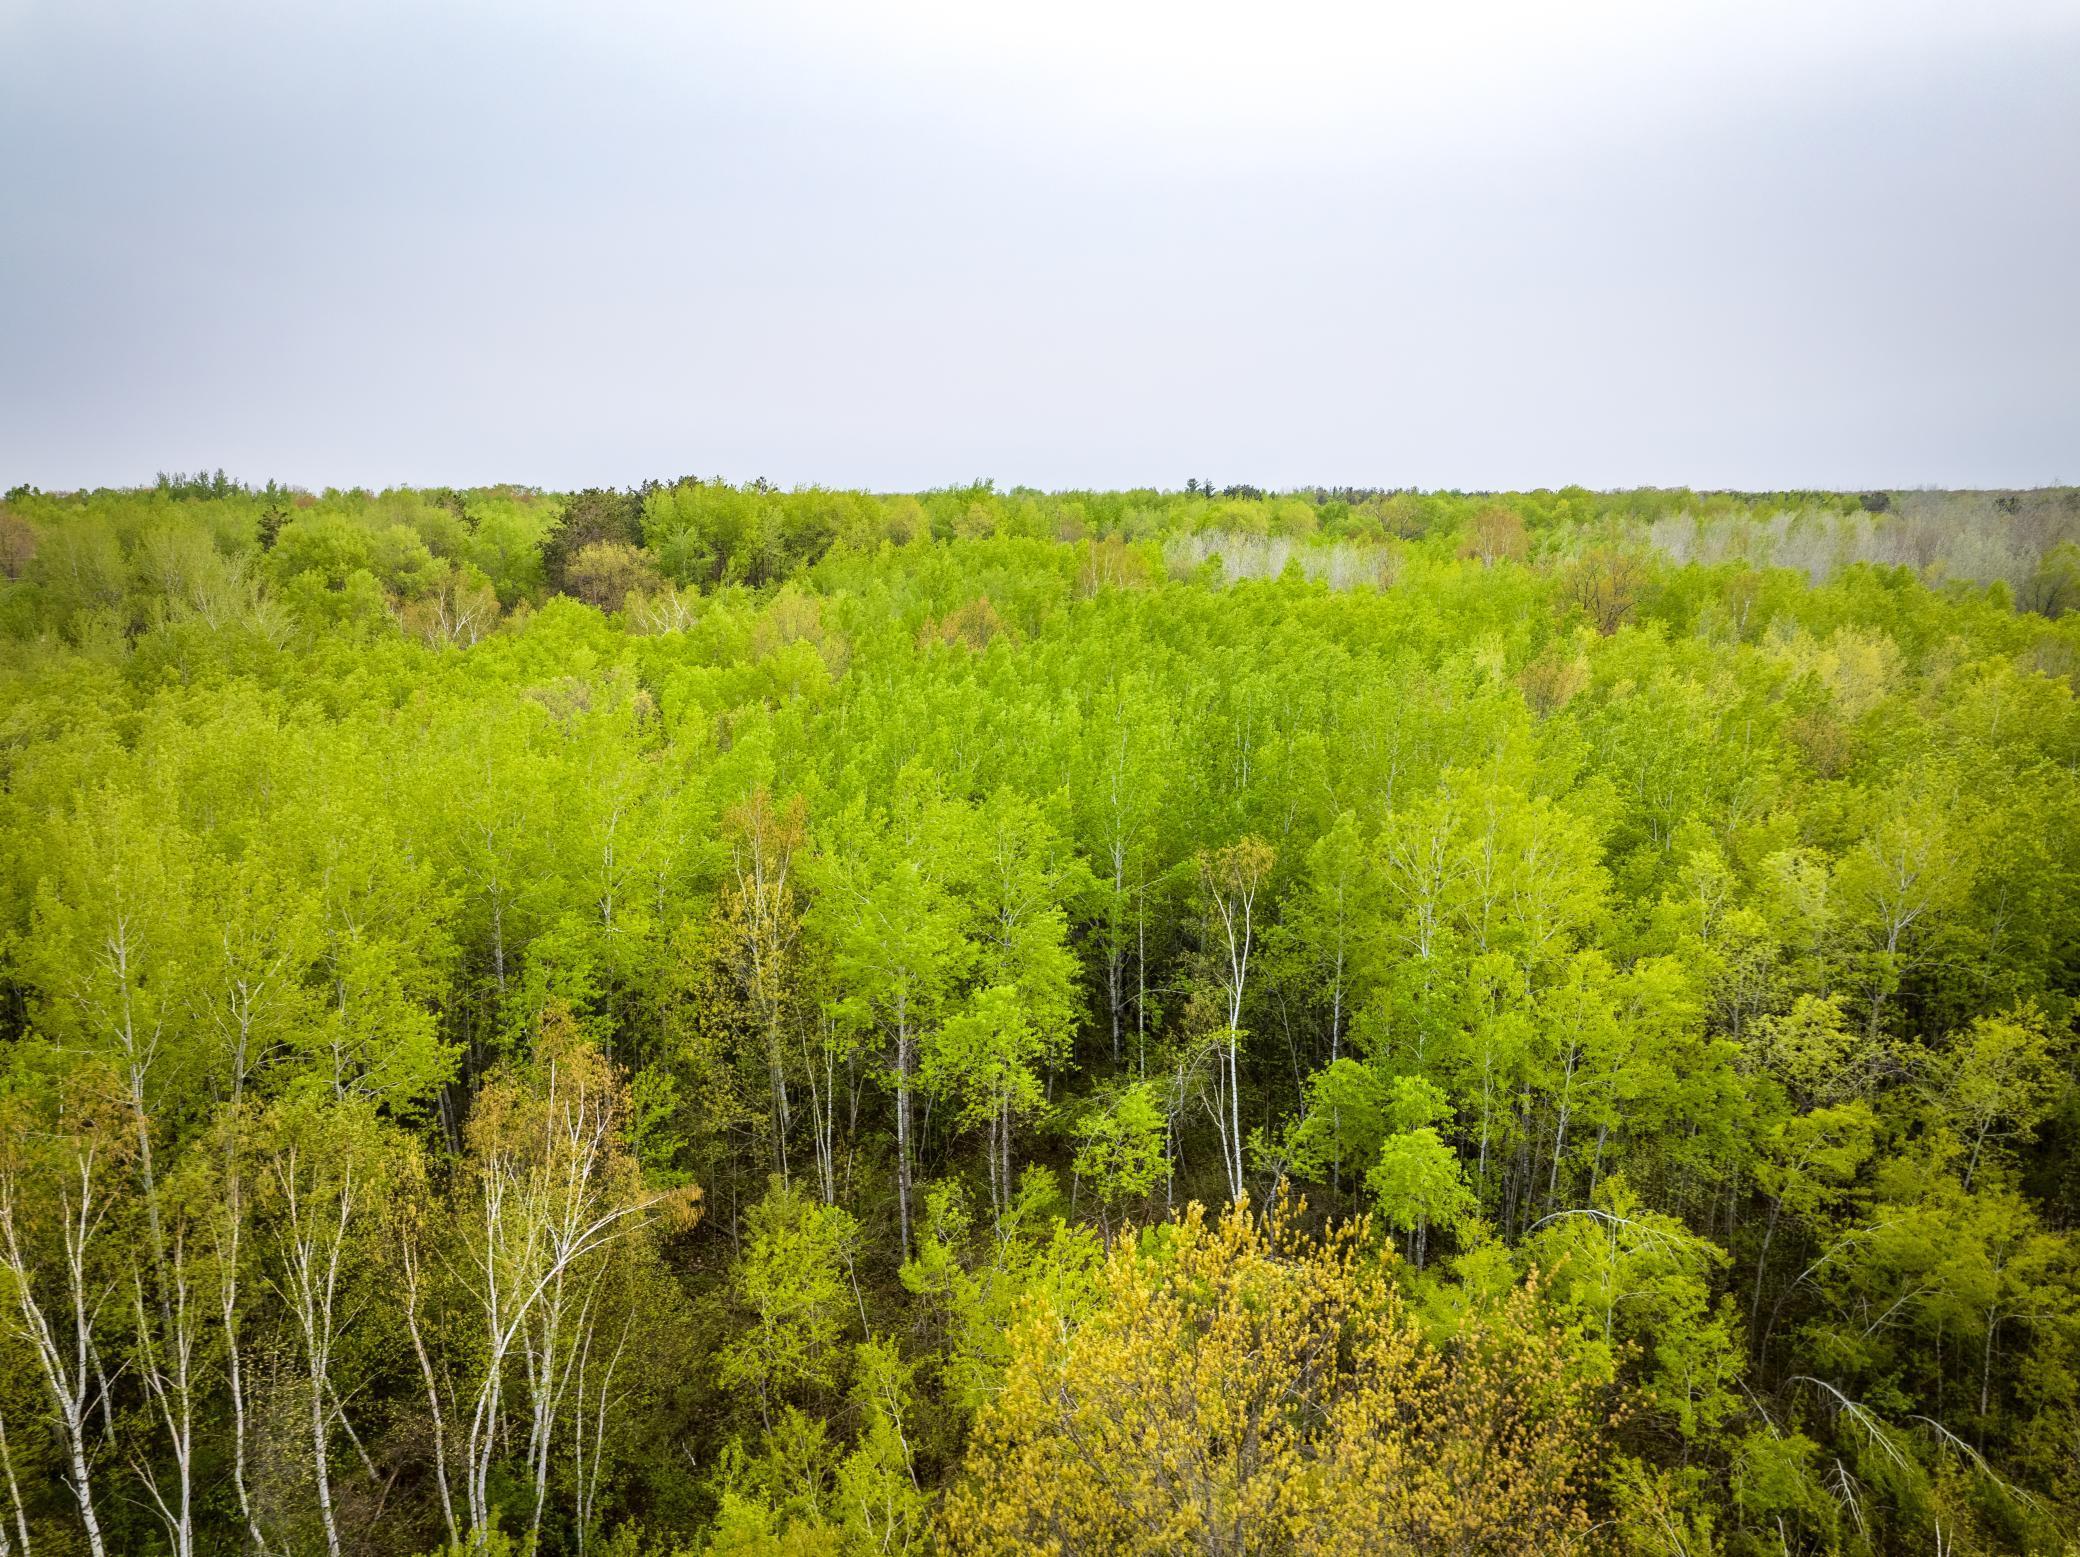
(551, 1189)
(1231, 879)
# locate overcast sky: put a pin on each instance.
(1473, 243)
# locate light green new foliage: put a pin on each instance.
(2000, 1081)
(1012, 877)
(879, 1501)
(1642, 1278)
(1417, 1181)
(1120, 1149)
(634, 1022)
(794, 1285)
(897, 945)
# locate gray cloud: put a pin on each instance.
(374, 244)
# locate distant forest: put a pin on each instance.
(710, 1019)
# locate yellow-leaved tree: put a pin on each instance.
(1242, 1387)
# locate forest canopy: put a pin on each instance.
(709, 1019)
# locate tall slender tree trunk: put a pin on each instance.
(776, 1075)
(320, 1460)
(234, 1361)
(1141, 982)
(1235, 1113)
(435, 1414)
(70, 1381)
(14, 1490)
(903, 1070)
